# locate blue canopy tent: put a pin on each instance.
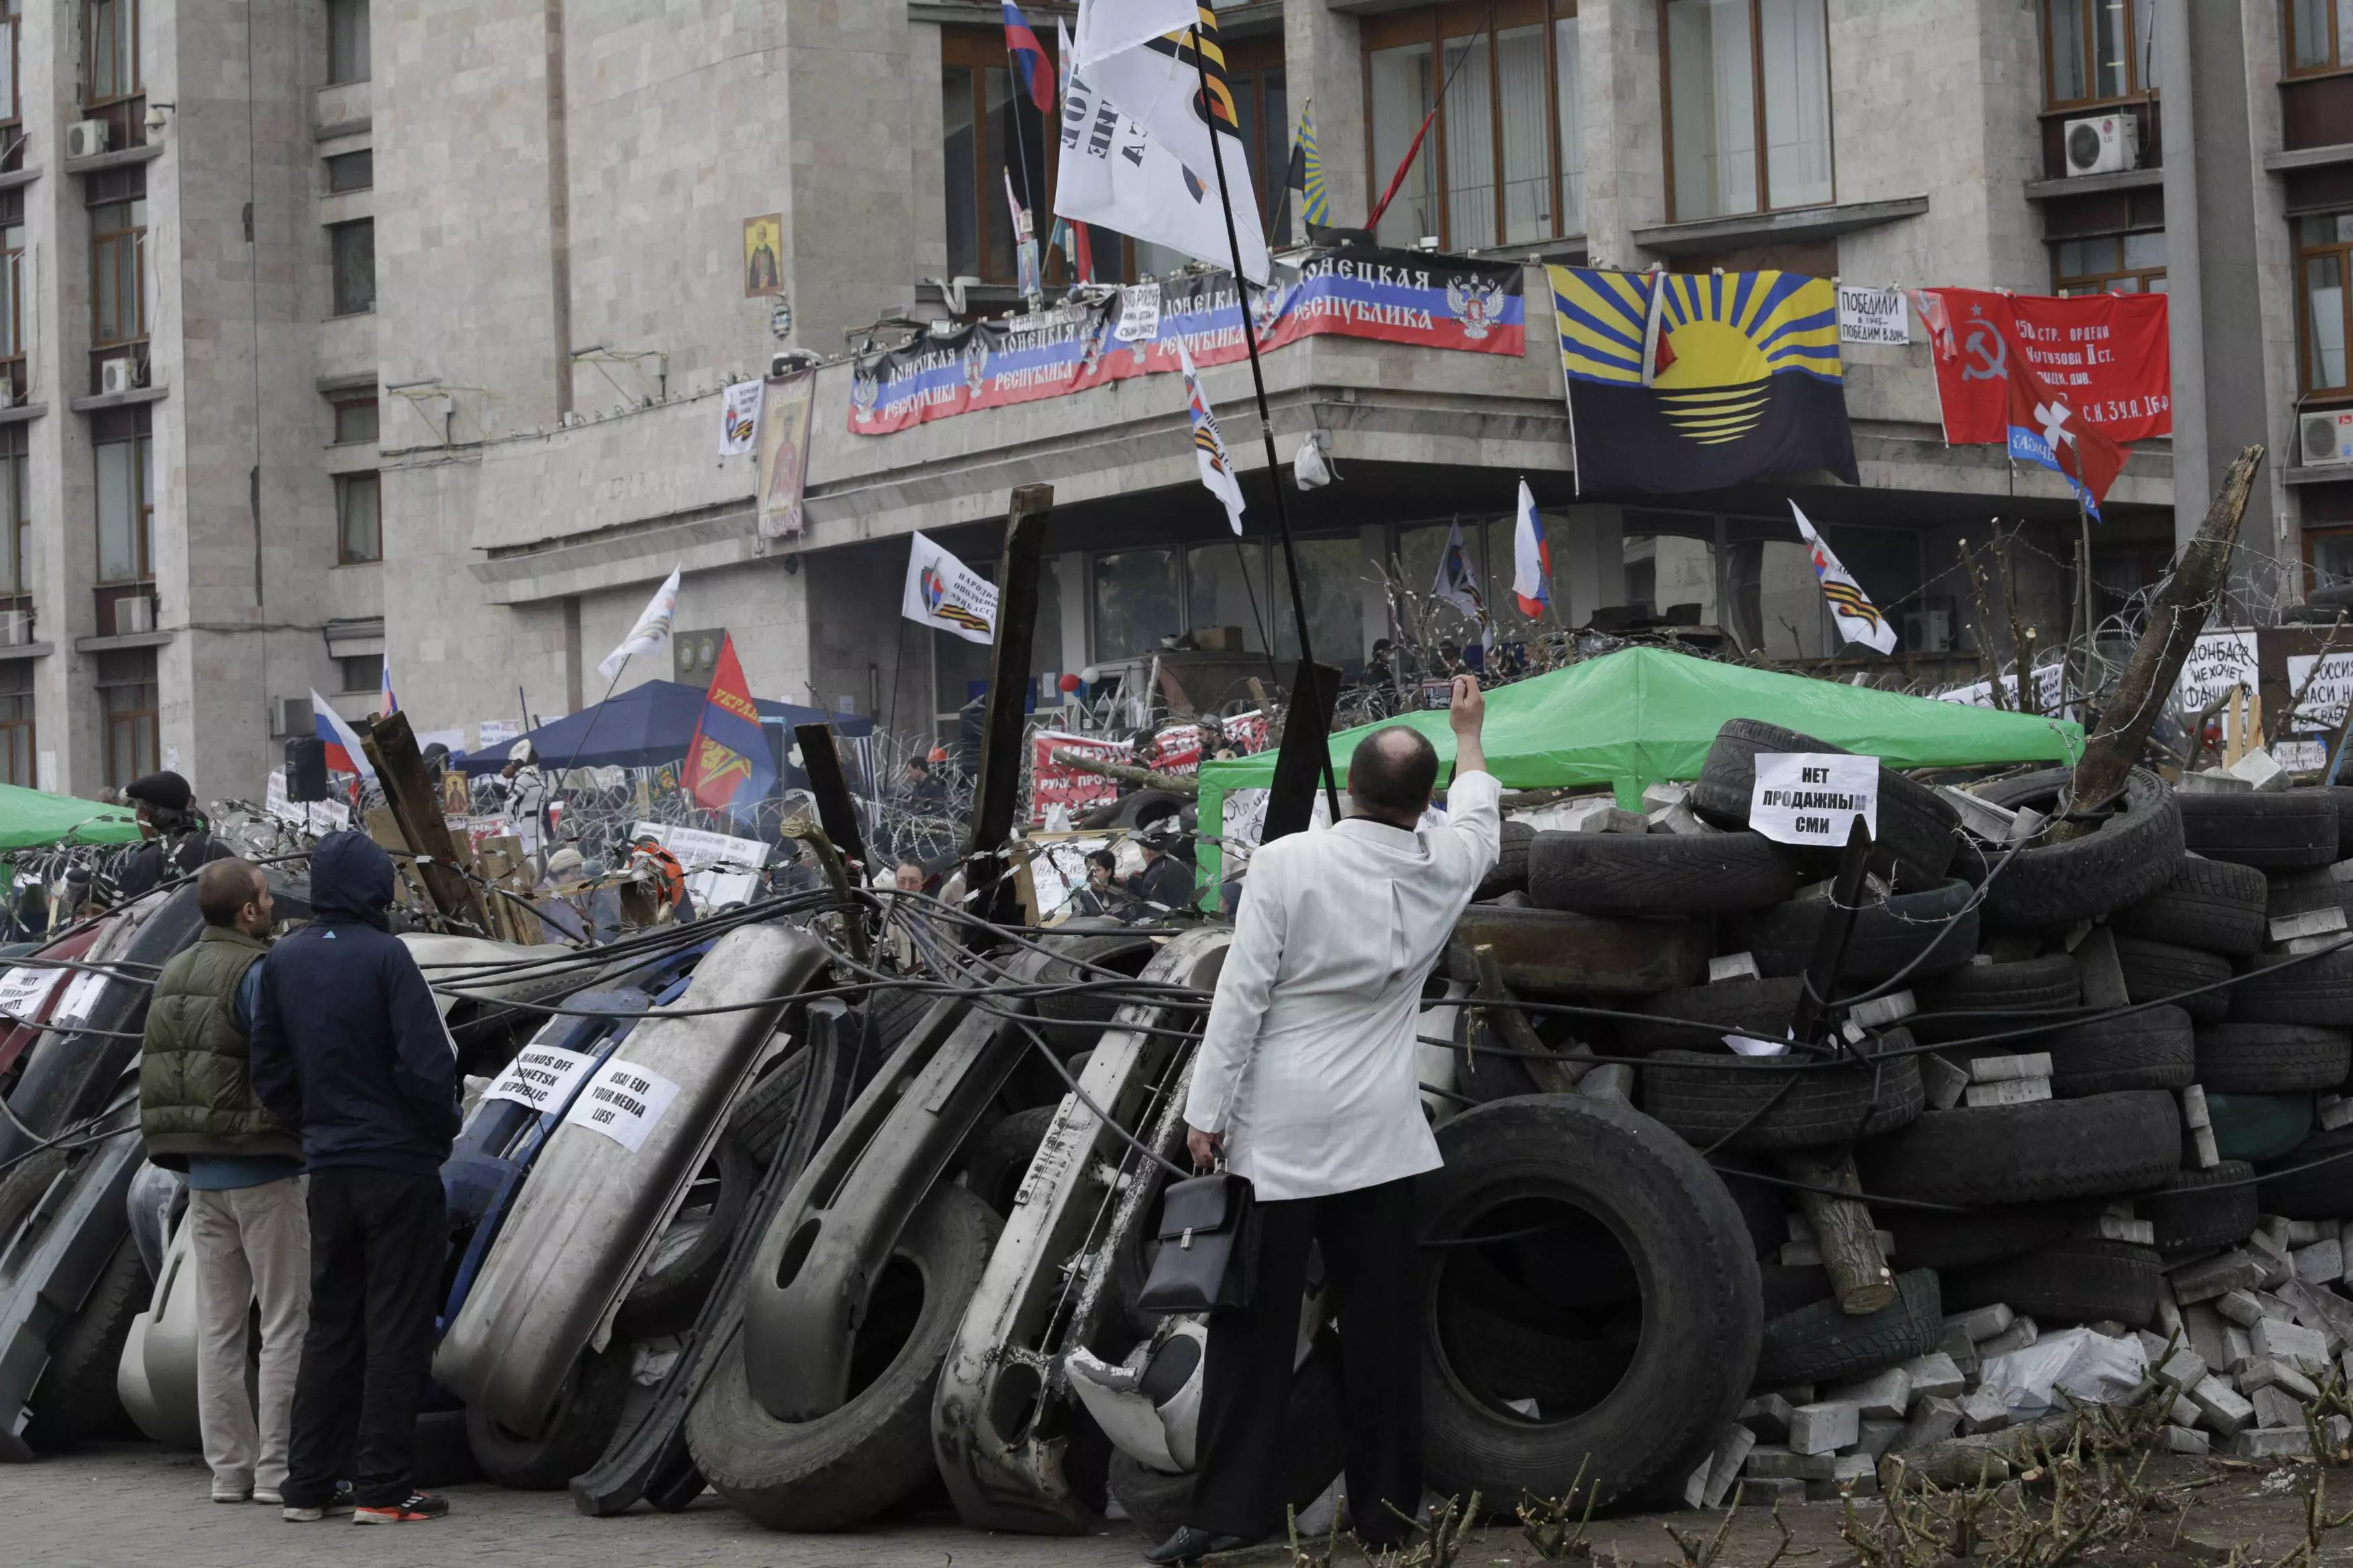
(651, 725)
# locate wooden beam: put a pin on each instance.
(1306, 738)
(1001, 736)
(835, 809)
(416, 807)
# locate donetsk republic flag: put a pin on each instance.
(1691, 381)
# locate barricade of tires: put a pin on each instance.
(2099, 1071)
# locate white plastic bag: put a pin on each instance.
(2075, 1366)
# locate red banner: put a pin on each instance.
(2105, 355)
(1175, 750)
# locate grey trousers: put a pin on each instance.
(250, 1244)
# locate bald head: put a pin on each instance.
(1392, 774)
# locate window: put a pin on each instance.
(12, 289)
(359, 521)
(1504, 162)
(991, 132)
(351, 172)
(17, 723)
(2331, 554)
(118, 267)
(110, 33)
(1137, 603)
(2319, 35)
(347, 41)
(354, 249)
(2321, 247)
(2095, 51)
(2112, 264)
(16, 532)
(126, 504)
(12, 103)
(127, 690)
(1748, 106)
(355, 421)
(362, 671)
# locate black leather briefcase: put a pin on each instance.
(1208, 1246)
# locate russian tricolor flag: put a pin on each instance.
(1531, 558)
(1029, 58)
(344, 752)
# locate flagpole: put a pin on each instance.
(1265, 420)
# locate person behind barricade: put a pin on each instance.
(1166, 879)
(648, 855)
(1306, 1082)
(247, 1222)
(349, 1046)
(1101, 893)
(174, 840)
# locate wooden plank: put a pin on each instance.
(1299, 766)
(416, 807)
(997, 796)
(835, 812)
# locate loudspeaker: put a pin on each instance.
(306, 768)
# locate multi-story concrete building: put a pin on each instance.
(578, 209)
(188, 366)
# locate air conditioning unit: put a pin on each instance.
(2103, 145)
(2323, 437)
(7, 395)
(16, 628)
(86, 138)
(114, 376)
(290, 716)
(1928, 631)
(135, 614)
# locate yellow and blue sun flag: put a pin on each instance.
(1692, 382)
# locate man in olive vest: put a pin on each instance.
(247, 1217)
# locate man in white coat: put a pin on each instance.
(1306, 1080)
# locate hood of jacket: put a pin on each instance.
(351, 879)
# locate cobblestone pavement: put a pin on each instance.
(115, 1506)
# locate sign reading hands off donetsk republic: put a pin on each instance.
(1390, 296)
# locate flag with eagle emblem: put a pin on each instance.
(728, 766)
(1692, 382)
(1858, 618)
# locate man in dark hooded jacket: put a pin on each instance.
(348, 1045)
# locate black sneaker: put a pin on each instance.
(339, 1503)
(419, 1508)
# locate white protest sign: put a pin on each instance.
(2300, 756)
(2048, 680)
(695, 848)
(1873, 315)
(623, 1101)
(541, 1077)
(1811, 797)
(1139, 313)
(22, 991)
(2218, 661)
(320, 816)
(2323, 706)
(81, 997)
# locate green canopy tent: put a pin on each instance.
(30, 819)
(1641, 715)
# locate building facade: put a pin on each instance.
(427, 342)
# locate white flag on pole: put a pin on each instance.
(739, 418)
(1209, 447)
(1107, 27)
(943, 593)
(1145, 99)
(651, 632)
(1858, 618)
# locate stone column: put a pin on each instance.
(1322, 58)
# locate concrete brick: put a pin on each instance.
(1732, 966)
(2241, 1348)
(2268, 1443)
(1935, 1376)
(2193, 1108)
(2274, 1304)
(2310, 924)
(2301, 1232)
(2263, 1372)
(2204, 1152)
(1823, 1427)
(1858, 1476)
(1982, 1323)
(1772, 1460)
(2332, 1111)
(1612, 1080)
(1882, 1397)
(1771, 1491)
(2241, 1308)
(1882, 1011)
(2219, 1407)
(2212, 1277)
(2183, 1440)
(2021, 1333)
(2010, 1091)
(2272, 1252)
(2322, 1263)
(2183, 1412)
(1877, 1438)
(1934, 1418)
(2103, 974)
(1767, 1415)
(2117, 1227)
(1983, 1412)
(2322, 1309)
(2201, 1330)
(2181, 1370)
(1998, 1069)
(2304, 1349)
(1944, 1083)
(1715, 1479)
